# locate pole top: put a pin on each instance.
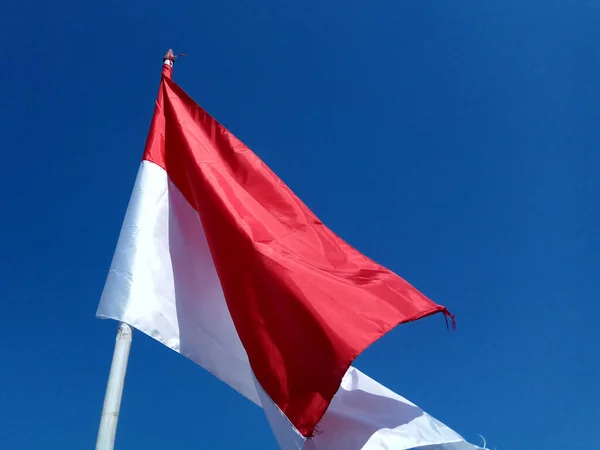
(169, 61)
(169, 58)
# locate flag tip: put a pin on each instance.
(452, 317)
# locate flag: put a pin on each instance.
(220, 261)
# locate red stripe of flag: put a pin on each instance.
(303, 301)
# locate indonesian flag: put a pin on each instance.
(220, 261)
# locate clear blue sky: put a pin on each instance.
(457, 143)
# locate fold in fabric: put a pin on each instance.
(365, 415)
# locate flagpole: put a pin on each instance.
(114, 389)
(116, 378)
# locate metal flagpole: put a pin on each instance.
(116, 379)
(114, 389)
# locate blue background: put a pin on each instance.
(456, 143)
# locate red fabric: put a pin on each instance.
(303, 301)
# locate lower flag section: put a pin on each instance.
(163, 282)
(364, 415)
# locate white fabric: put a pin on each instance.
(366, 415)
(162, 281)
